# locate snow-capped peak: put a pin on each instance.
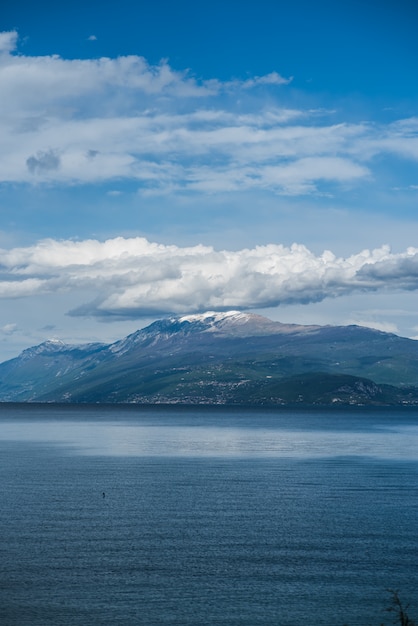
(54, 342)
(214, 317)
(48, 346)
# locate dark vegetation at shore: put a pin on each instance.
(398, 610)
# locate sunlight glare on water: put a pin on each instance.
(126, 439)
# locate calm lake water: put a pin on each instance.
(210, 516)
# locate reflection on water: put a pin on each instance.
(225, 435)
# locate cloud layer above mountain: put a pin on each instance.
(67, 122)
(133, 277)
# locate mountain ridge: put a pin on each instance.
(221, 358)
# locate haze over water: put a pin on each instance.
(209, 516)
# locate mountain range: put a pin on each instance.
(221, 358)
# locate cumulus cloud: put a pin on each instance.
(401, 270)
(134, 277)
(122, 118)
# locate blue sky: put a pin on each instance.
(169, 158)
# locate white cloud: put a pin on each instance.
(80, 121)
(8, 41)
(269, 79)
(9, 329)
(51, 85)
(134, 277)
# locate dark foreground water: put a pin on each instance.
(209, 516)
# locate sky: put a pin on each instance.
(166, 158)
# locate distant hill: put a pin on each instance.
(222, 358)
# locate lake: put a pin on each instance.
(123, 515)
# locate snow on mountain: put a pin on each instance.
(227, 324)
(214, 357)
(212, 317)
(183, 325)
(243, 324)
(234, 323)
(47, 347)
(55, 346)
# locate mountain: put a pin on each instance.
(221, 358)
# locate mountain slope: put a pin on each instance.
(221, 358)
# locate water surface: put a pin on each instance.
(209, 517)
